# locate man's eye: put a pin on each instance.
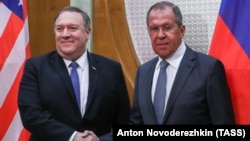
(73, 28)
(154, 29)
(59, 29)
(166, 28)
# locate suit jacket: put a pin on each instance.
(49, 109)
(199, 95)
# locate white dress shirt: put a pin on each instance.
(83, 73)
(174, 62)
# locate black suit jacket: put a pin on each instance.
(199, 95)
(48, 107)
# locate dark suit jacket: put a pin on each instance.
(48, 107)
(199, 95)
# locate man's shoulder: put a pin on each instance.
(200, 55)
(43, 58)
(150, 62)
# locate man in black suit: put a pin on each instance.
(46, 100)
(196, 91)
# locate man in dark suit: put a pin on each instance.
(47, 102)
(196, 89)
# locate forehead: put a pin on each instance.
(69, 17)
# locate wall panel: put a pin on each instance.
(111, 37)
(41, 20)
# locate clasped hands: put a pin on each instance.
(86, 136)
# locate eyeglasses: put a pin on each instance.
(165, 28)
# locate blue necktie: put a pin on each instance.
(160, 92)
(75, 82)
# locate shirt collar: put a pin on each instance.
(81, 61)
(175, 59)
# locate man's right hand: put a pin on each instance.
(86, 136)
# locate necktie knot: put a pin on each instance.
(74, 65)
(163, 64)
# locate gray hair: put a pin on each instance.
(78, 10)
(162, 5)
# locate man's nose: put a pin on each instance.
(65, 32)
(161, 32)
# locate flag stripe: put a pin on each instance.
(24, 135)
(25, 8)
(4, 18)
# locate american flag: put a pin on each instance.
(14, 50)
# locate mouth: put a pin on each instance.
(66, 41)
(66, 44)
(161, 45)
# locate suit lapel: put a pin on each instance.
(58, 64)
(62, 71)
(148, 88)
(93, 76)
(186, 66)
